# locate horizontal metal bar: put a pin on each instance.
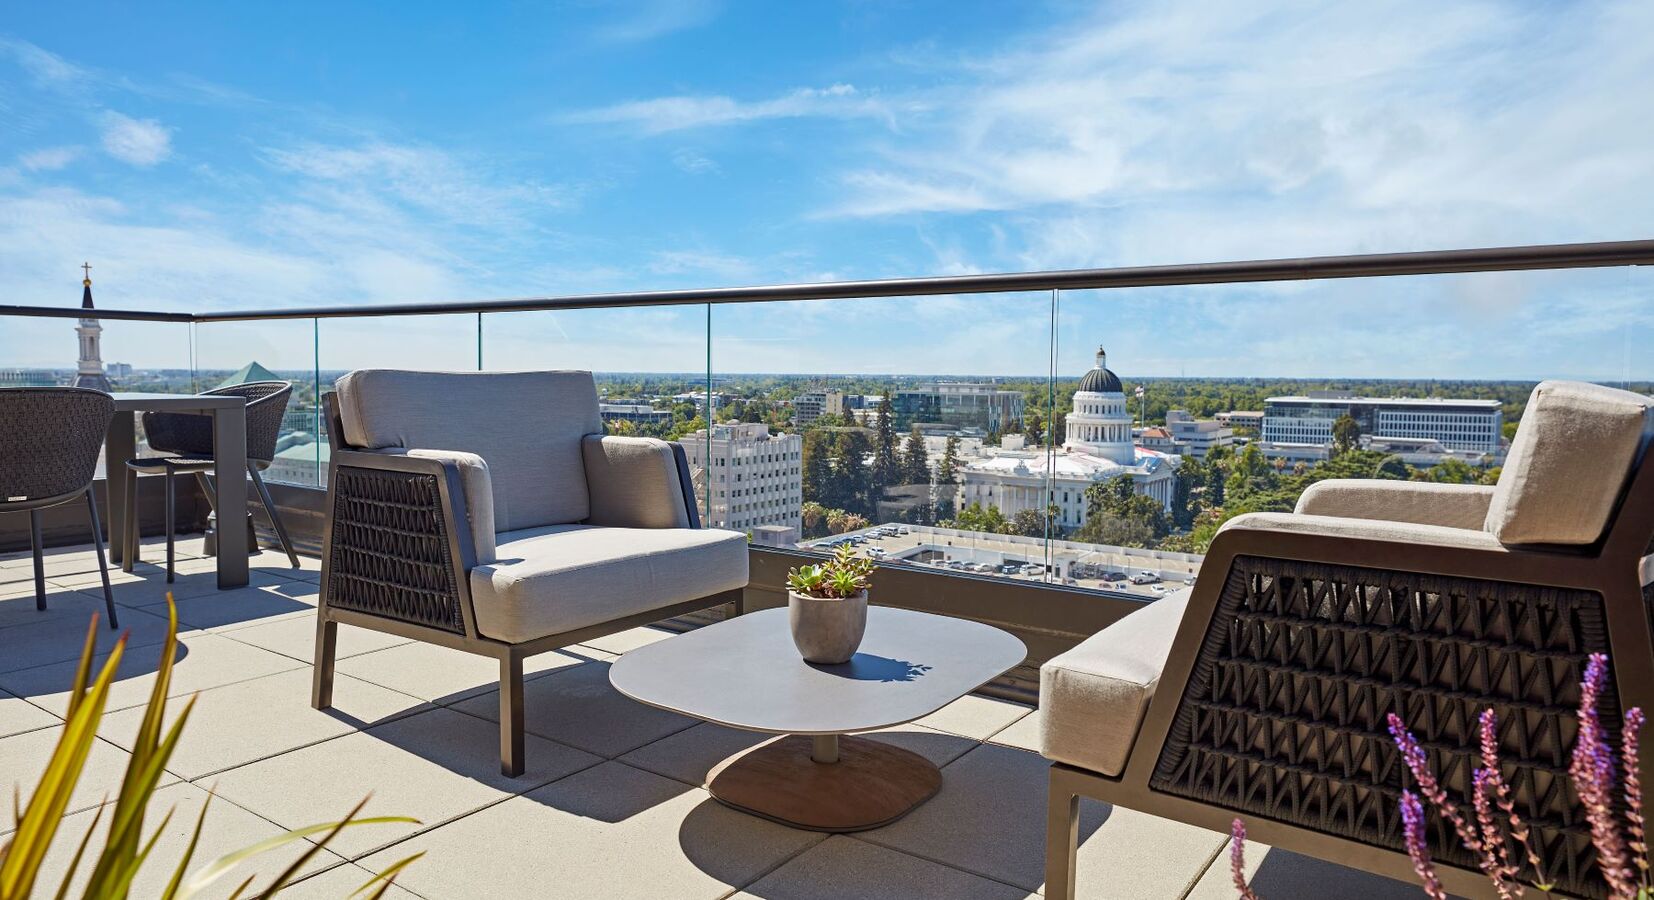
(1429, 262)
(75, 312)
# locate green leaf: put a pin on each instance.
(216, 869)
(189, 851)
(384, 879)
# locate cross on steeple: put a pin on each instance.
(87, 267)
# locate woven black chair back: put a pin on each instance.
(49, 440)
(190, 434)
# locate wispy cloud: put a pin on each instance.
(645, 20)
(49, 159)
(693, 162)
(663, 114)
(140, 142)
(44, 67)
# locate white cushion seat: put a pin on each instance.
(1093, 697)
(558, 578)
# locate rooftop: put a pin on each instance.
(612, 803)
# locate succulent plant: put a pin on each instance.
(845, 575)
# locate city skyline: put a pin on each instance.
(849, 142)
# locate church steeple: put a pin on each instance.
(89, 370)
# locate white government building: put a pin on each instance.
(1098, 446)
(755, 479)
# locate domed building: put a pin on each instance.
(1097, 446)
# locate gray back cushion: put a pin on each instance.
(526, 426)
(1570, 459)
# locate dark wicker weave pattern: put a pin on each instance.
(389, 555)
(49, 440)
(190, 434)
(1284, 713)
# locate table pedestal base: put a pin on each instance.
(871, 784)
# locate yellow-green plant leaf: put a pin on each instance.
(189, 851)
(83, 669)
(216, 869)
(384, 879)
(126, 827)
(39, 824)
(129, 870)
(63, 889)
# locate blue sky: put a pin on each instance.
(218, 155)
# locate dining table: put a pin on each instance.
(229, 415)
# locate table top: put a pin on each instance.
(142, 400)
(745, 672)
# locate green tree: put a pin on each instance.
(853, 484)
(1191, 476)
(1453, 471)
(814, 519)
(1345, 435)
(915, 459)
(1392, 468)
(817, 467)
(948, 470)
(887, 468)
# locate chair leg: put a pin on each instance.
(511, 714)
(327, 640)
(1062, 838)
(103, 564)
(39, 545)
(129, 540)
(270, 510)
(171, 511)
(739, 605)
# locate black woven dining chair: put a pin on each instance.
(183, 443)
(49, 442)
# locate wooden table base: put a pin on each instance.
(872, 784)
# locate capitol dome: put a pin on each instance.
(1100, 380)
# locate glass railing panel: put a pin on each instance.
(912, 428)
(229, 353)
(443, 343)
(126, 355)
(1238, 397)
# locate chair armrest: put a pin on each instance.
(478, 508)
(634, 482)
(1350, 529)
(399, 542)
(1422, 503)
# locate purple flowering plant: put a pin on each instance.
(1496, 833)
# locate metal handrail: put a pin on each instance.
(1429, 262)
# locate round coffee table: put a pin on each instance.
(745, 673)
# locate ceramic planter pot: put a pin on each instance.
(827, 631)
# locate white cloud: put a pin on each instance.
(141, 142)
(49, 159)
(45, 67)
(663, 114)
(693, 162)
(646, 20)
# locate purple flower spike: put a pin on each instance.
(1237, 859)
(1592, 772)
(1629, 755)
(1412, 830)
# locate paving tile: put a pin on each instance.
(690, 754)
(276, 561)
(975, 717)
(18, 715)
(202, 661)
(989, 819)
(578, 707)
(238, 607)
(23, 759)
(227, 829)
(440, 674)
(434, 766)
(1281, 873)
(251, 720)
(93, 581)
(56, 563)
(61, 602)
(1022, 734)
(622, 641)
(342, 881)
(153, 590)
(58, 638)
(841, 867)
(610, 831)
(295, 636)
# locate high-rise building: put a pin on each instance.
(1475, 425)
(958, 403)
(89, 371)
(753, 478)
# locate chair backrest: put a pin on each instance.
(191, 433)
(1569, 464)
(49, 440)
(526, 425)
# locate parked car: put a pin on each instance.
(1158, 588)
(1145, 578)
(1190, 580)
(1114, 576)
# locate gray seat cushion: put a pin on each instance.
(1569, 462)
(558, 578)
(1093, 698)
(527, 426)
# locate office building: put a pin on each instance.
(753, 477)
(1474, 425)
